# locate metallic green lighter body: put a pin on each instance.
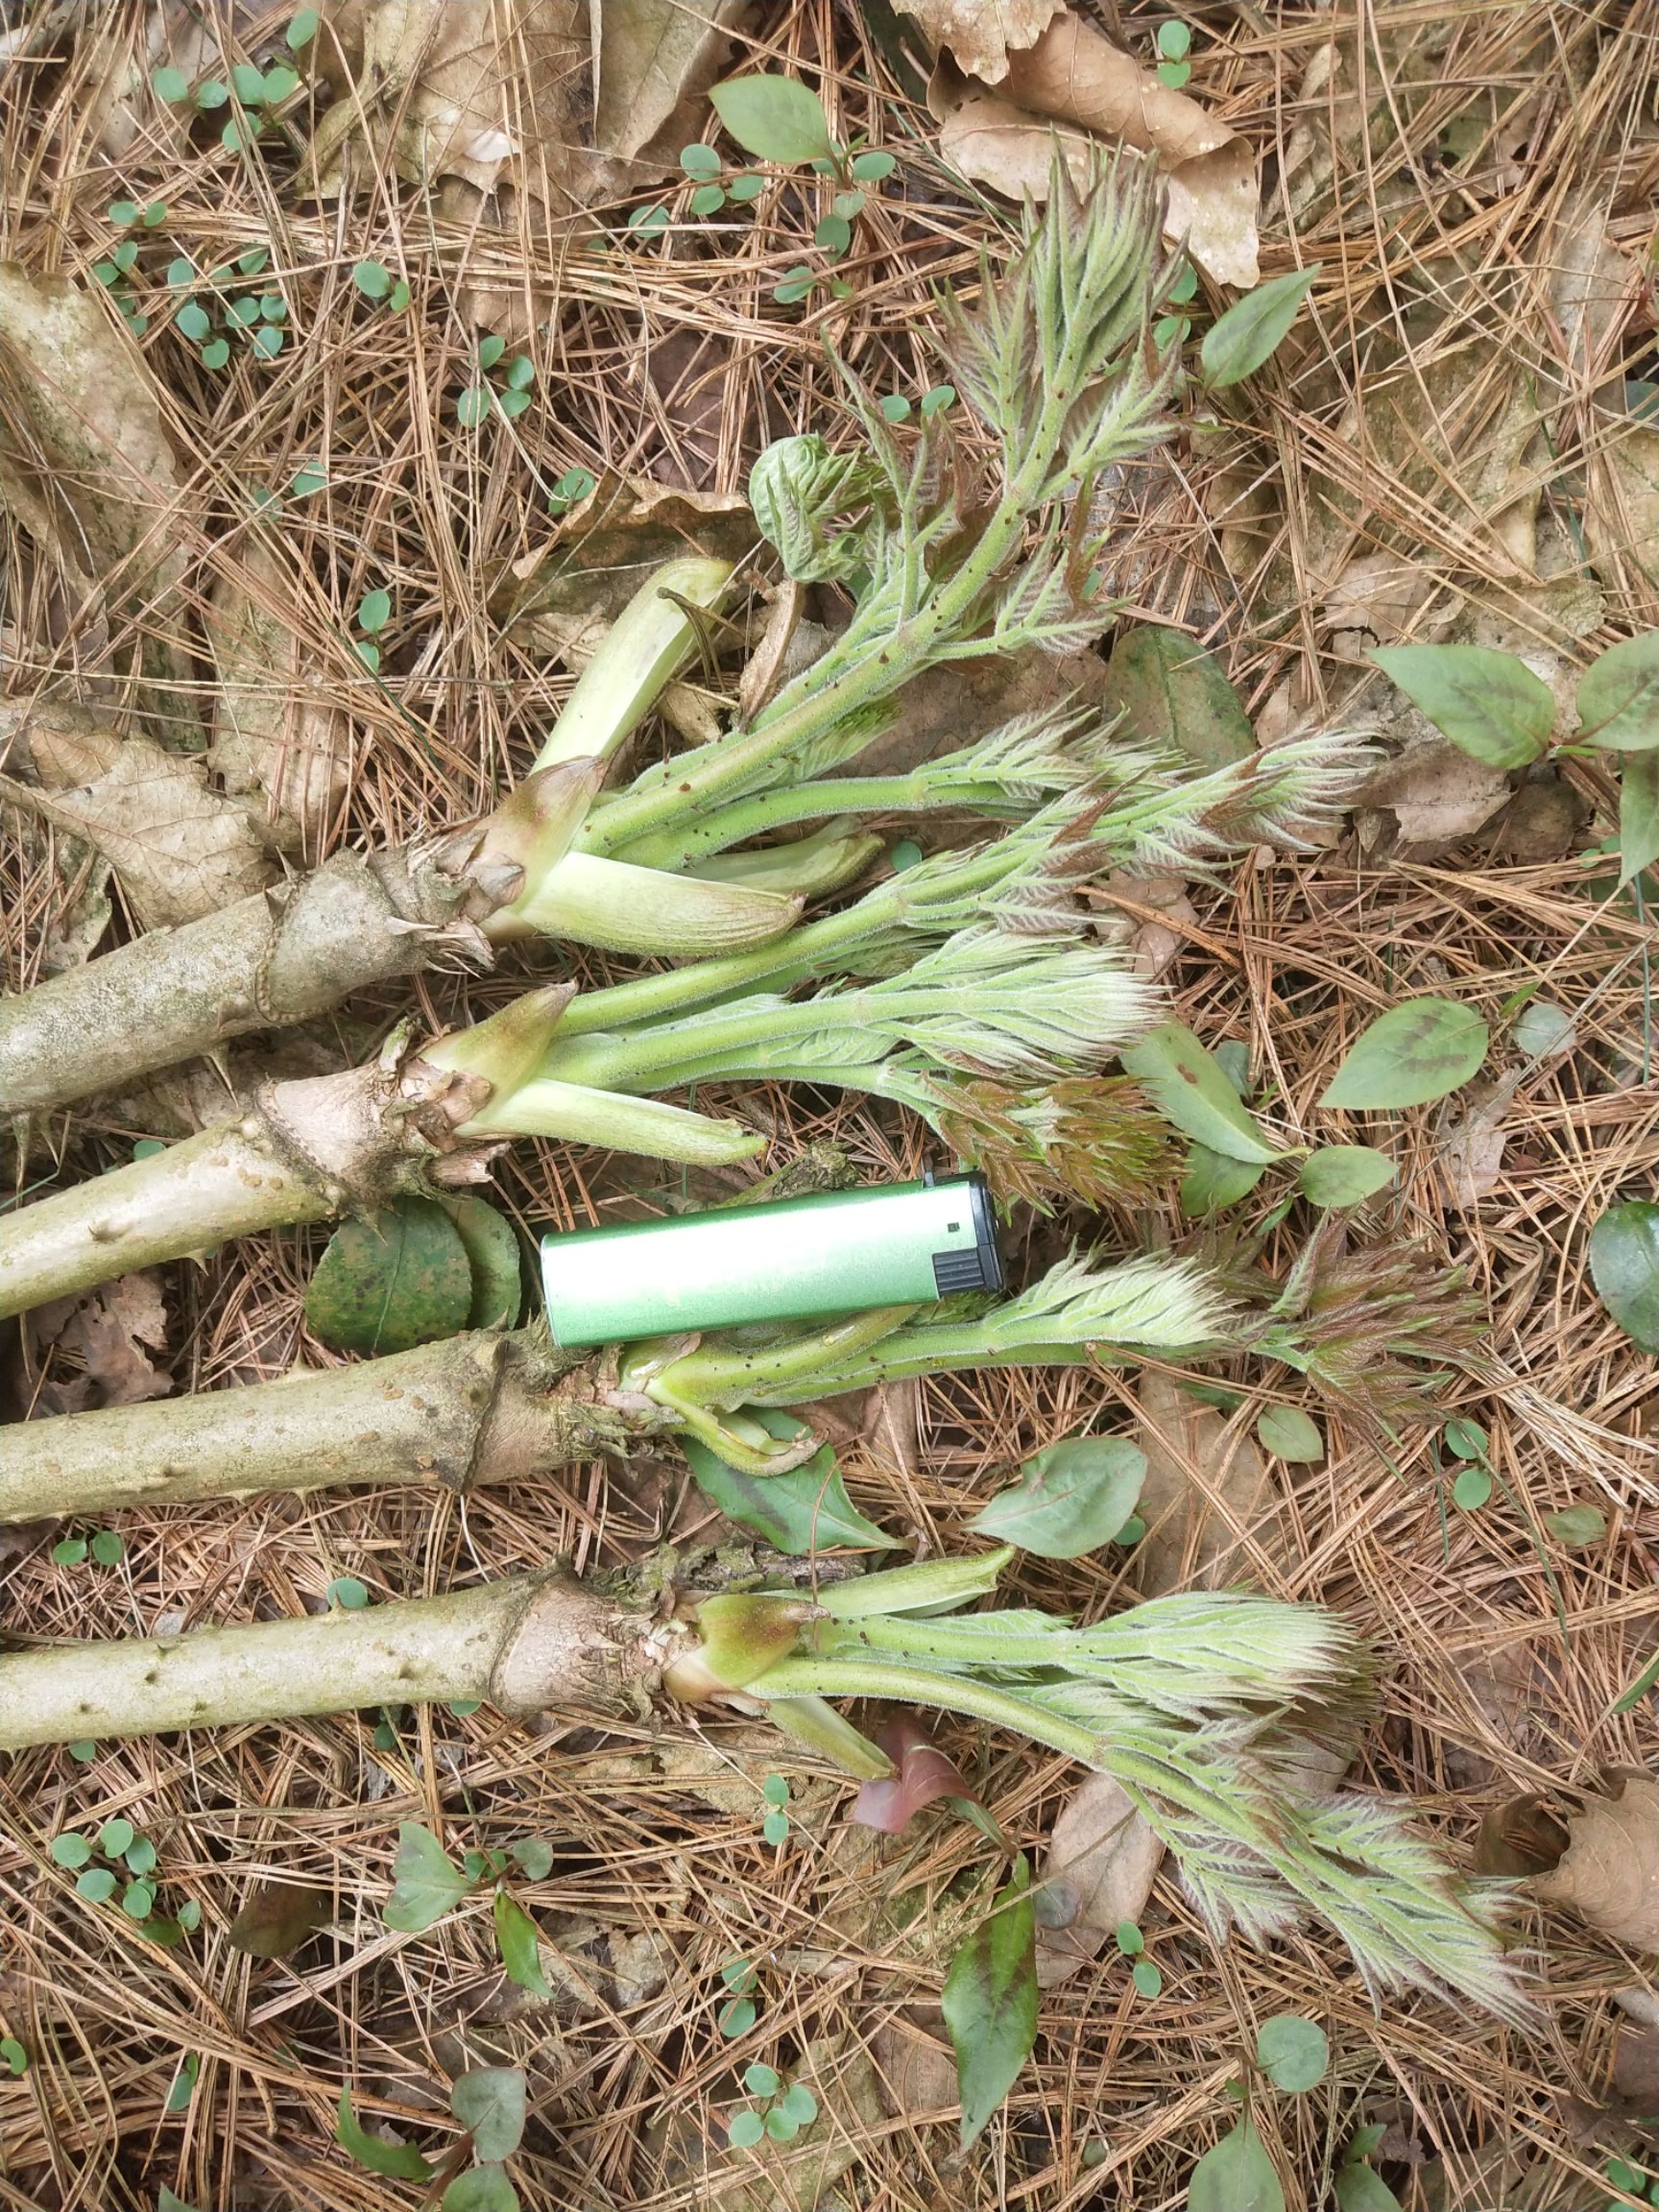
(840, 1252)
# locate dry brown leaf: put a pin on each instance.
(1207, 1488)
(109, 1335)
(653, 61)
(1436, 792)
(599, 554)
(87, 471)
(914, 2061)
(1377, 595)
(1099, 1869)
(1074, 75)
(1609, 1873)
(180, 849)
(275, 730)
(981, 36)
(1471, 1152)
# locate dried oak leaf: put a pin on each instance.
(1207, 1491)
(1609, 1873)
(982, 38)
(1097, 1872)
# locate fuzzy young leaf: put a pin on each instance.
(398, 2161)
(1409, 1056)
(1236, 2176)
(1070, 1500)
(426, 1882)
(990, 2001)
(1489, 704)
(1638, 815)
(392, 1280)
(1625, 1268)
(519, 1945)
(1191, 1091)
(1172, 693)
(1252, 328)
(805, 1510)
(1617, 697)
(1292, 2053)
(1344, 1174)
(489, 2102)
(776, 118)
(1288, 1432)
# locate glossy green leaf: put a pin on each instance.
(138, 1899)
(1625, 1268)
(990, 2001)
(1489, 704)
(708, 199)
(391, 1280)
(783, 2127)
(489, 2101)
(775, 118)
(398, 2161)
(1239, 341)
(1236, 2176)
(1292, 2053)
(1617, 697)
(1409, 1056)
(1174, 42)
(1577, 1525)
(805, 1510)
(211, 95)
(1289, 1433)
(481, 2189)
(1465, 1439)
(248, 84)
(1638, 815)
(425, 1881)
(1170, 691)
(1344, 1174)
(775, 1829)
(1213, 1181)
(348, 1593)
(269, 341)
(141, 1856)
(279, 82)
(1359, 2190)
(70, 1552)
(1191, 1091)
(1070, 1500)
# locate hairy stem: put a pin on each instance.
(523, 1644)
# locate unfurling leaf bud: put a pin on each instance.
(739, 1638)
(812, 504)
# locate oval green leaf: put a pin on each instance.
(1191, 1091)
(481, 2189)
(990, 2001)
(1236, 2176)
(1625, 1268)
(1292, 2053)
(493, 1254)
(426, 1884)
(1638, 815)
(399, 2161)
(1289, 1433)
(1344, 1174)
(1252, 328)
(1070, 1500)
(773, 117)
(1577, 1525)
(1411, 1056)
(1619, 696)
(1359, 2190)
(744, 2129)
(392, 1280)
(805, 1510)
(1489, 704)
(1213, 1181)
(489, 2101)
(1170, 691)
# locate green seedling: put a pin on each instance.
(1174, 44)
(778, 2113)
(183, 2086)
(895, 406)
(739, 2013)
(104, 1548)
(376, 283)
(780, 120)
(1132, 1945)
(427, 1886)
(374, 612)
(509, 396)
(256, 97)
(224, 304)
(125, 1876)
(12, 2056)
(775, 1825)
(119, 271)
(571, 489)
(490, 2103)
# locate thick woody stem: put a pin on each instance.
(307, 1151)
(523, 1644)
(280, 957)
(482, 1408)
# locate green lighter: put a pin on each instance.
(839, 1252)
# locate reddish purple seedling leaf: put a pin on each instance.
(925, 1773)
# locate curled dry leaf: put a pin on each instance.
(107, 1337)
(1206, 1492)
(275, 728)
(86, 470)
(1437, 793)
(597, 556)
(1074, 75)
(1609, 1873)
(1097, 1872)
(180, 849)
(981, 39)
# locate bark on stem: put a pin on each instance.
(521, 1645)
(307, 1151)
(283, 956)
(482, 1408)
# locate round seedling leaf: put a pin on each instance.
(1289, 1433)
(170, 83)
(473, 406)
(1252, 329)
(776, 118)
(1193, 1092)
(799, 2101)
(248, 84)
(873, 166)
(776, 1828)
(1465, 1439)
(1292, 2053)
(140, 1856)
(349, 1593)
(216, 353)
(1146, 1978)
(1070, 1500)
(279, 82)
(1129, 1940)
(1625, 1268)
(211, 95)
(1344, 1174)
(392, 1280)
(1489, 704)
(138, 1900)
(121, 212)
(374, 612)
(1174, 42)
(783, 2127)
(532, 1856)
(194, 322)
(833, 233)
(1211, 1181)
(1472, 1489)
(114, 1836)
(269, 341)
(490, 347)
(745, 186)
(70, 1552)
(760, 2080)
(97, 1885)
(108, 1548)
(736, 2018)
(775, 1790)
(700, 162)
(71, 1850)
(372, 279)
(1619, 696)
(512, 404)
(744, 2129)
(708, 199)
(1409, 1056)
(303, 29)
